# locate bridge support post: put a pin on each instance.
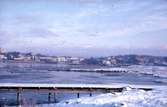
(49, 97)
(90, 94)
(18, 98)
(78, 95)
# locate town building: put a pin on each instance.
(1, 51)
(2, 54)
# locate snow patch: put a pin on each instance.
(128, 98)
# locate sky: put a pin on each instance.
(84, 27)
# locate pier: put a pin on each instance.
(51, 89)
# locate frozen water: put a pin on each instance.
(159, 71)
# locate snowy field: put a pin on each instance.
(128, 98)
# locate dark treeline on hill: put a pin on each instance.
(119, 60)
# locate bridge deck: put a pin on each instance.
(69, 87)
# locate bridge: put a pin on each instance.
(66, 88)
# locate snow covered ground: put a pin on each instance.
(128, 98)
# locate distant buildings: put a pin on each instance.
(62, 59)
(29, 57)
(110, 61)
(120, 60)
(1, 51)
(76, 60)
(126, 60)
(2, 55)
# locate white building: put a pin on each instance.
(107, 62)
(62, 59)
(2, 57)
(76, 60)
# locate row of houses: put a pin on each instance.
(29, 57)
(59, 59)
(134, 60)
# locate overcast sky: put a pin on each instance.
(84, 27)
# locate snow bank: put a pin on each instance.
(128, 98)
(159, 71)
